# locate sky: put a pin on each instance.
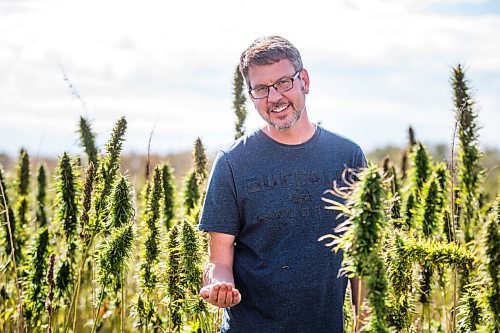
(376, 67)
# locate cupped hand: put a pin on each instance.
(221, 294)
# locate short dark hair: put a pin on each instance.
(269, 50)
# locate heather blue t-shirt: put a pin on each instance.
(268, 195)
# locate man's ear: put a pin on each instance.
(304, 76)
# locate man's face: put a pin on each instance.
(280, 110)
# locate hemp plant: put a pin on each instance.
(419, 174)
(107, 172)
(148, 270)
(191, 192)
(191, 273)
(67, 200)
(168, 202)
(22, 202)
(117, 247)
(67, 215)
(41, 216)
(49, 301)
(175, 290)
(112, 259)
(200, 161)
(492, 247)
(35, 296)
(86, 235)
(406, 152)
(239, 101)
(469, 169)
(87, 140)
(194, 181)
(360, 239)
(7, 218)
(399, 273)
(393, 191)
(120, 209)
(421, 170)
(429, 220)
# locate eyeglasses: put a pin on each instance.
(281, 86)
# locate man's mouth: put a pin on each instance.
(279, 108)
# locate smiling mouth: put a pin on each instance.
(280, 108)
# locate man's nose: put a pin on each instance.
(274, 95)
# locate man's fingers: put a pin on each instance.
(236, 296)
(229, 295)
(221, 299)
(221, 294)
(204, 292)
(214, 294)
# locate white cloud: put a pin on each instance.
(383, 63)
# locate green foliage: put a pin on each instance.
(492, 247)
(87, 140)
(35, 300)
(120, 209)
(469, 169)
(393, 191)
(360, 240)
(411, 137)
(421, 170)
(148, 277)
(67, 203)
(23, 173)
(51, 285)
(399, 273)
(200, 161)
(107, 170)
(63, 278)
(191, 259)
(239, 101)
(191, 272)
(174, 279)
(7, 217)
(469, 310)
(409, 207)
(168, 186)
(377, 285)
(41, 216)
(85, 228)
(21, 206)
(191, 192)
(112, 255)
(438, 254)
(430, 216)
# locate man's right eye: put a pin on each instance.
(260, 90)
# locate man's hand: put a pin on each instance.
(221, 294)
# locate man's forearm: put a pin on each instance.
(213, 273)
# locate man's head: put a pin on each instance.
(277, 82)
(267, 51)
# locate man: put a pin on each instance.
(263, 207)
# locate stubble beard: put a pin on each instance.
(280, 126)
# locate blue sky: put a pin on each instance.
(376, 67)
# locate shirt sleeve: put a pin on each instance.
(220, 209)
(359, 159)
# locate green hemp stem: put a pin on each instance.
(12, 253)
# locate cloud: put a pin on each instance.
(376, 67)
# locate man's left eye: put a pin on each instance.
(282, 83)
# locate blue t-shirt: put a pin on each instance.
(268, 195)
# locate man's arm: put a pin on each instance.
(218, 282)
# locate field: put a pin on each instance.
(101, 242)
